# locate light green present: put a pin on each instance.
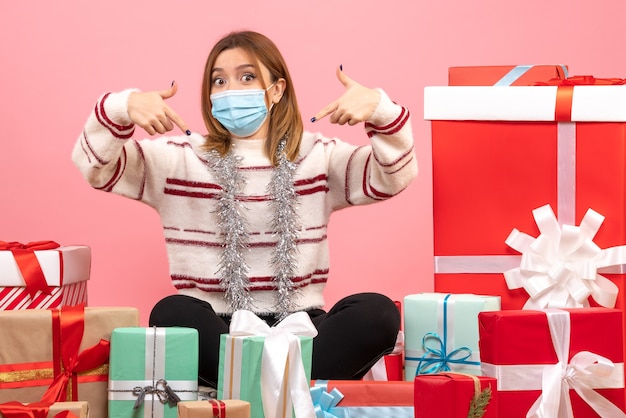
(150, 369)
(243, 375)
(441, 332)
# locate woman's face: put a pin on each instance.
(234, 70)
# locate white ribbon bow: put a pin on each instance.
(584, 371)
(559, 269)
(281, 363)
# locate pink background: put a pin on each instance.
(58, 57)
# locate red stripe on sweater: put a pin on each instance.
(142, 157)
(188, 183)
(185, 193)
(91, 150)
(388, 126)
(108, 186)
(399, 126)
(371, 192)
(346, 187)
(115, 129)
(304, 182)
(396, 161)
(109, 121)
(401, 167)
(263, 244)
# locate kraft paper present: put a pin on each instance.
(39, 410)
(454, 395)
(149, 368)
(358, 398)
(441, 332)
(30, 353)
(530, 351)
(287, 350)
(504, 75)
(229, 408)
(43, 275)
(80, 409)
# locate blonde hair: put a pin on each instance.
(285, 119)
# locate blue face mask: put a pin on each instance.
(242, 112)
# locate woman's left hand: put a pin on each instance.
(356, 104)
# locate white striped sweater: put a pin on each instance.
(171, 175)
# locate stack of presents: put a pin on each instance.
(526, 318)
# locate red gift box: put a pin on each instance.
(499, 153)
(43, 275)
(450, 395)
(506, 75)
(366, 398)
(562, 347)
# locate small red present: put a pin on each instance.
(566, 362)
(363, 398)
(504, 75)
(455, 395)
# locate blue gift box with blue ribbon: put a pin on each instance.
(441, 332)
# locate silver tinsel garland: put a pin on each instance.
(233, 269)
(285, 225)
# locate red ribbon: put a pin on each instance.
(28, 264)
(219, 408)
(32, 410)
(68, 325)
(565, 91)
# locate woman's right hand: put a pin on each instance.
(149, 111)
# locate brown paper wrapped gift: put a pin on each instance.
(231, 408)
(78, 409)
(31, 359)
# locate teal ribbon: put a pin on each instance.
(437, 359)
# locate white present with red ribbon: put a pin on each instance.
(43, 275)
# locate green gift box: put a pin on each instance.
(241, 366)
(151, 369)
(441, 332)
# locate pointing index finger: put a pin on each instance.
(325, 112)
(173, 116)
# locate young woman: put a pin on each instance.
(245, 207)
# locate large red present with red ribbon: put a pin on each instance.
(55, 355)
(562, 362)
(16, 409)
(455, 395)
(501, 152)
(43, 274)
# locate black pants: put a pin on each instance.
(352, 336)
